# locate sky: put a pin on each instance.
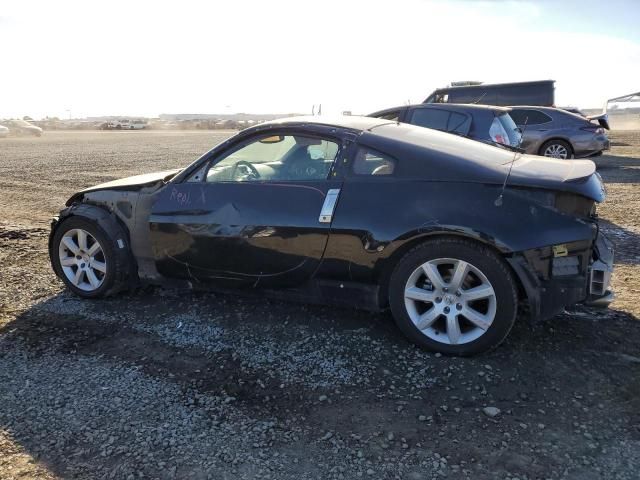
(142, 58)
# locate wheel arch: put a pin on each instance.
(556, 138)
(113, 226)
(384, 276)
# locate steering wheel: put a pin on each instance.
(252, 173)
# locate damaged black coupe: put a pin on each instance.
(456, 237)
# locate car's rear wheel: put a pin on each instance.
(84, 257)
(556, 149)
(453, 296)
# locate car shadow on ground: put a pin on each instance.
(170, 384)
(618, 169)
(625, 241)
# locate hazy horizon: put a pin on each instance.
(79, 59)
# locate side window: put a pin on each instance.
(459, 123)
(430, 118)
(530, 117)
(276, 158)
(371, 162)
(518, 116)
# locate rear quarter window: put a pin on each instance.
(510, 128)
(371, 162)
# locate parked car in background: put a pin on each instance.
(356, 211)
(539, 92)
(124, 124)
(483, 123)
(22, 127)
(557, 133)
(135, 124)
(4, 131)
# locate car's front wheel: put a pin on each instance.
(85, 258)
(453, 296)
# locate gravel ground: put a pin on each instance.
(170, 384)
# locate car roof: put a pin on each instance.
(463, 106)
(351, 122)
(448, 106)
(421, 137)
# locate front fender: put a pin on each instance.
(108, 222)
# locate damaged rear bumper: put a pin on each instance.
(600, 293)
(552, 282)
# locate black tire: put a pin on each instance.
(556, 143)
(117, 262)
(494, 268)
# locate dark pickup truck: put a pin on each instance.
(540, 93)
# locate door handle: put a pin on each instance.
(329, 205)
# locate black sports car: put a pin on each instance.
(455, 236)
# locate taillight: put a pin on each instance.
(575, 205)
(593, 129)
(497, 132)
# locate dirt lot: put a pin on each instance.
(163, 384)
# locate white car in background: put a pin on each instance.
(4, 131)
(22, 127)
(127, 124)
(136, 124)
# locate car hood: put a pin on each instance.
(31, 128)
(134, 183)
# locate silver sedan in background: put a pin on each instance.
(557, 133)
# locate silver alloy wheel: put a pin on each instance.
(450, 301)
(82, 259)
(555, 150)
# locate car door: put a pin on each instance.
(257, 214)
